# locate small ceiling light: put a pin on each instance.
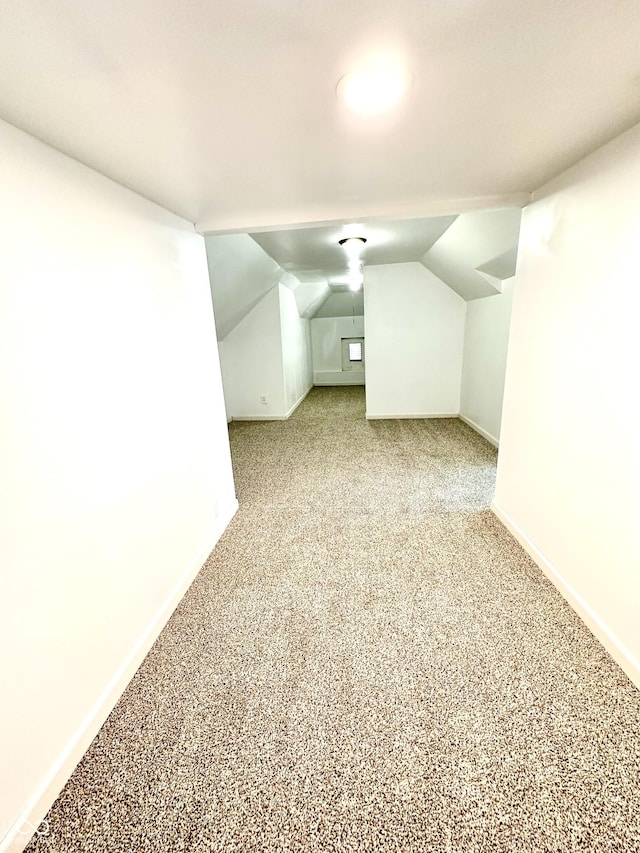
(352, 245)
(374, 90)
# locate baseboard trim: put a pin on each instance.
(35, 810)
(413, 416)
(284, 417)
(329, 384)
(477, 428)
(618, 651)
(301, 400)
(338, 377)
(256, 418)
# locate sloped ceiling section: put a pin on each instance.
(309, 295)
(240, 273)
(310, 253)
(313, 255)
(342, 304)
(471, 253)
(476, 252)
(502, 266)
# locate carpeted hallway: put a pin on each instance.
(367, 662)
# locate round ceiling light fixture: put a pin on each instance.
(352, 245)
(373, 90)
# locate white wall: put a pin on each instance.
(251, 361)
(326, 343)
(414, 336)
(569, 464)
(116, 472)
(296, 350)
(268, 354)
(486, 340)
(241, 273)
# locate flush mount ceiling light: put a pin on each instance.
(353, 246)
(373, 90)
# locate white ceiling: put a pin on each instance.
(314, 253)
(226, 113)
(471, 253)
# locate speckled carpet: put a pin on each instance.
(367, 662)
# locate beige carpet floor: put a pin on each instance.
(367, 662)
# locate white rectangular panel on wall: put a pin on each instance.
(414, 331)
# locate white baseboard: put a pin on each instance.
(284, 417)
(618, 651)
(414, 416)
(339, 377)
(256, 418)
(34, 811)
(474, 426)
(301, 400)
(350, 383)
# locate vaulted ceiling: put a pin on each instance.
(226, 112)
(471, 253)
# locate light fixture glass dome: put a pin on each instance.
(353, 246)
(373, 90)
